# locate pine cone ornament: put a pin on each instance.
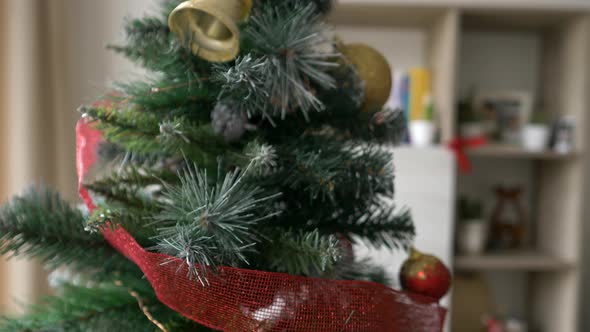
(426, 275)
(230, 122)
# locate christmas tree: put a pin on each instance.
(243, 168)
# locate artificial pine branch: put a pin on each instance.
(362, 269)
(244, 85)
(380, 224)
(387, 126)
(208, 224)
(300, 253)
(142, 133)
(119, 121)
(314, 172)
(320, 170)
(377, 223)
(129, 185)
(134, 220)
(148, 40)
(107, 307)
(369, 172)
(349, 94)
(183, 96)
(41, 225)
(116, 156)
(290, 38)
(122, 194)
(151, 44)
(262, 159)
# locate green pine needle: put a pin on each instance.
(142, 133)
(41, 225)
(206, 224)
(104, 308)
(290, 37)
(244, 84)
(362, 269)
(382, 224)
(302, 253)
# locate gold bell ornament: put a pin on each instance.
(210, 27)
(373, 69)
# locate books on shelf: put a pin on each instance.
(419, 92)
(412, 93)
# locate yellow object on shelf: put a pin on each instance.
(419, 89)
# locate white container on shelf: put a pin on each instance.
(422, 133)
(471, 237)
(535, 137)
(564, 135)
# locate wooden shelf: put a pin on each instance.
(514, 261)
(502, 20)
(384, 15)
(550, 6)
(509, 151)
(540, 46)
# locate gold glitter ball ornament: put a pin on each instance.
(210, 27)
(374, 70)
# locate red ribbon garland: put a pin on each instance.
(247, 300)
(459, 145)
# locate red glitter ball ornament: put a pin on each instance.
(425, 275)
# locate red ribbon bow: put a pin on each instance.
(459, 145)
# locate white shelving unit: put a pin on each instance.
(508, 152)
(512, 261)
(438, 34)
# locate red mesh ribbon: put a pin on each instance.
(247, 300)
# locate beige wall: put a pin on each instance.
(28, 114)
(54, 60)
(3, 102)
(519, 4)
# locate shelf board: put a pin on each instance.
(513, 261)
(550, 6)
(515, 20)
(509, 151)
(384, 15)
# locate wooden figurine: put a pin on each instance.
(508, 219)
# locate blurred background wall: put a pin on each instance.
(53, 59)
(23, 126)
